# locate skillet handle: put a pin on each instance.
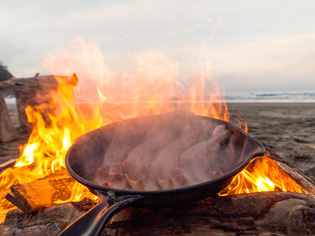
(92, 222)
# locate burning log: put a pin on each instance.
(293, 172)
(281, 213)
(41, 193)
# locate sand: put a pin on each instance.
(288, 128)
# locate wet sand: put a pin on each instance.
(288, 128)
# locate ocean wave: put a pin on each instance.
(298, 96)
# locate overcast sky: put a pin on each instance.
(253, 45)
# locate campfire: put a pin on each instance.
(39, 178)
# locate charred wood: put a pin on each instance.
(277, 212)
(48, 221)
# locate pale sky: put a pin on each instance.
(253, 45)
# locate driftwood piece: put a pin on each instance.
(269, 212)
(11, 198)
(7, 164)
(41, 193)
(48, 221)
(7, 130)
(293, 172)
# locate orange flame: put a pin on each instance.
(153, 87)
(261, 175)
(242, 124)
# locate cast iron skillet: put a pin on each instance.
(87, 153)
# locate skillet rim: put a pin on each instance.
(223, 178)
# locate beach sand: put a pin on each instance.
(288, 128)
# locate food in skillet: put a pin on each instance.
(173, 152)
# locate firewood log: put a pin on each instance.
(293, 172)
(41, 193)
(283, 213)
(48, 221)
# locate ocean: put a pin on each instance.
(259, 97)
(272, 97)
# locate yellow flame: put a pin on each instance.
(261, 175)
(242, 124)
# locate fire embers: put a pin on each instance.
(171, 151)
